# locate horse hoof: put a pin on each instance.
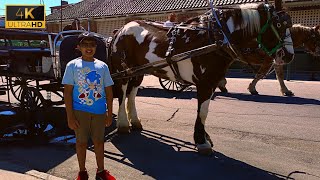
(254, 92)
(123, 130)
(204, 149)
(223, 89)
(136, 127)
(289, 93)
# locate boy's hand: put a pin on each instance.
(108, 120)
(73, 123)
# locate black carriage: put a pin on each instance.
(32, 66)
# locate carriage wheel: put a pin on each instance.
(171, 85)
(35, 108)
(17, 85)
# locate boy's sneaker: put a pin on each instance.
(83, 175)
(104, 175)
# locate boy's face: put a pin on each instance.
(87, 47)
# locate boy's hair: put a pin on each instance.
(88, 36)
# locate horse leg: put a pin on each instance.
(261, 73)
(123, 123)
(222, 85)
(131, 106)
(280, 77)
(201, 137)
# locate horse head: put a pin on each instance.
(256, 22)
(274, 36)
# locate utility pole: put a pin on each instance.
(61, 15)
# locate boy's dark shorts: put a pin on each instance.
(91, 126)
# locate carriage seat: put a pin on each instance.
(68, 50)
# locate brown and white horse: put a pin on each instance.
(303, 36)
(139, 43)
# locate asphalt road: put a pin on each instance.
(255, 137)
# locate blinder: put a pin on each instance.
(281, 21)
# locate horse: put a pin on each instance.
(303, 36)
(139, 43)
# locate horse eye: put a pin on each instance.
(278, 25)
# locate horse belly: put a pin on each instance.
(186, 71)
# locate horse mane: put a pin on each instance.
(300, 27)
(251, 19)
(245, 17)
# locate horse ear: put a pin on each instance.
(317, 27)
(278, 5)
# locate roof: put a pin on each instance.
(108, 8)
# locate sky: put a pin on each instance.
(47, 3)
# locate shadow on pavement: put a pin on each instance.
(41, 157)
(161, 93)
(159, 156)
(20, 152)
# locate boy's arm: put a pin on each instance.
(109, 98)
(72, 121)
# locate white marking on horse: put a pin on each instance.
(131, 106)
(186, 71)
(204, 109)
(150, 56)
(132, 28)
(230, 25)
(122, 114)
(203, 69)
(187, 39)
(202, 32)
(288, 42)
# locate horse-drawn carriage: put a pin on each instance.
(198, 55)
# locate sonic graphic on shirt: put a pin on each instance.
(91, 88)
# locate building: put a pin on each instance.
(103, 16)
(304, 12)
(106, 15)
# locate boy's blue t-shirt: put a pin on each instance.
(88, 80)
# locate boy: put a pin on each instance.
(87, 88)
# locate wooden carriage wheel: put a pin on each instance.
(36, 110)
(171, 85)
(17, 85)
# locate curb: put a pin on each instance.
(10, 171)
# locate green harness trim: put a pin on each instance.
(263, 30)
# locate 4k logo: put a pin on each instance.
(25, 16)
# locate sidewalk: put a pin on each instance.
(10, 171)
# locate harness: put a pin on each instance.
(269, 24)
(217, 28)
